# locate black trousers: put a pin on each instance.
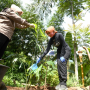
(3, 44)
(62, 67)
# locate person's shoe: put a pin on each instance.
(63, 87)
(57, 87)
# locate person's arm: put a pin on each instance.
(17, 25)
(16, 18)
(47, 49)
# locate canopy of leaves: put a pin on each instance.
(65, 6)
(7, 3)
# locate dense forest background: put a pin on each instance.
(28, 44)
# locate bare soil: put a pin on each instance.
(3, 87)
(44, 88)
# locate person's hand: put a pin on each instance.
(32, 25)
(38, 60)
(62, 59)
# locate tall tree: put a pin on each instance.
(72, 8)
(7, 3)
(56, 21)
(68, 39)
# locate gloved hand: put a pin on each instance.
(62, 59)
(38, 60)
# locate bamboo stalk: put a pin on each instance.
(80, 57)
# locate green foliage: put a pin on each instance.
(7, 3)
(23, 48)
(23, 41)
(69, 41)
(56, 21)
(52, 78)
(87, 4)
(27, 44)
(30, 75)
(73, 82)
(8, 81)
(86, 70)
(83, 36)
(46, 70)
(87, 79)
(43, 8)
(86, 66)
(65, 6)
(12, 82)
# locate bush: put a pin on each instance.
(11, 82)
(73, 82)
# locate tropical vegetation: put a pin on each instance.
(28, 44)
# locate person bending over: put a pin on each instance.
(63, 54)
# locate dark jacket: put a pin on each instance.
(59, 42)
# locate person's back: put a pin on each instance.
(6, 24)
(9, 20)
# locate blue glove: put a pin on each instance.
(38, 60)
(62, 59)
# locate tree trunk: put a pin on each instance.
(75, 59)
(75, 45)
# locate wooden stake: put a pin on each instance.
(80, 57)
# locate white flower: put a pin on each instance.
(15, 60)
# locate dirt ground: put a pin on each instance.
(31, 88)
(44, 88)
(4, 87)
